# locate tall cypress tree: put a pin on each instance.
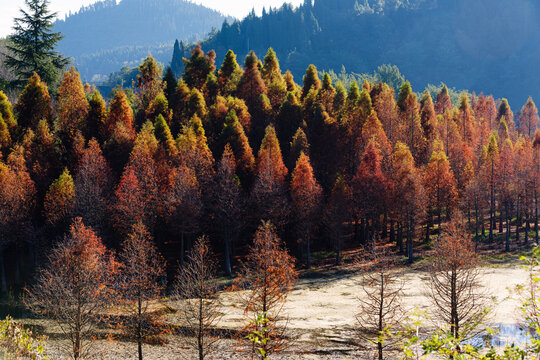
(34, 43)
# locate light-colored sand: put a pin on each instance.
(322, 312)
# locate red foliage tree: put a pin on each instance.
(306, 196)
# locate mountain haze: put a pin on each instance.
(106, 35)
(480, 45)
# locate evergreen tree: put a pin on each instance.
(33, 45)
(34, 104)
(177, 65)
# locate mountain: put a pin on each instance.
(104, 36)
(480, 45)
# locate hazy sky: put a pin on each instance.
(238, 8)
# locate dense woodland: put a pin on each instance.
(218, 151)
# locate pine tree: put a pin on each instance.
(60, 200)
(6, 111)
(229, 203)
(440, 185)
(443, 102)
(119, 113)
(306, 196)
(229, 74)
(93, 185)
(311, 81)
(72, 107)
(33, 45)
(198, 67)
(34, 104)
(251, 86)
(177, 65)
(529, 118)
(97, 117)
(170, 84)
(233, 134)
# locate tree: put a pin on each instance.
(443, 102)
(197, 289)
(229, 201)
(97, 117)
(268, 274)
(505, 112)
(381, 313)
(34, 104)
(32, 48)
(409, 193)
(234, 135)
(75, 287)
(251, 85)
(440, 185)
(528, 118)
(177, 65)
(506, 184)
(337, 212)
(93, 187)
(489, 169)
(198, 67)
(454, 285)
(141, 277)
(137, 195)
(60, 200)
(311, 81)
(409, 123)
(120, 112)
(229, 74)
(72, 108)
(269, 193)
(149, 85)
(17, 198)
(306, 196)
(370, 191)
(185, 204)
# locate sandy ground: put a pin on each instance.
(322, 312)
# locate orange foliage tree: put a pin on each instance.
(306, 196)
(75, 287)
(268, 274)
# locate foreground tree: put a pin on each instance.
(75, 287)
(269, 275)
(197, 290)
(454, 285)
(381, 313)
(140, 283)
(33, 49)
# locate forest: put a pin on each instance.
(333, 168)
(462, 43)
(226, 210)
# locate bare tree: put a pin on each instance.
(75, 288)
(381, 315)
(200, 308)
(140, 279)
(454, 287)
(268, 275)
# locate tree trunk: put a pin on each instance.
(308, 249)
(139, 327)
(228, 255)
(200, 334)
(182, 250)
(2, 272)
(507, 213)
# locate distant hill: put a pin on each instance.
(106, 35)
(481, 45)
